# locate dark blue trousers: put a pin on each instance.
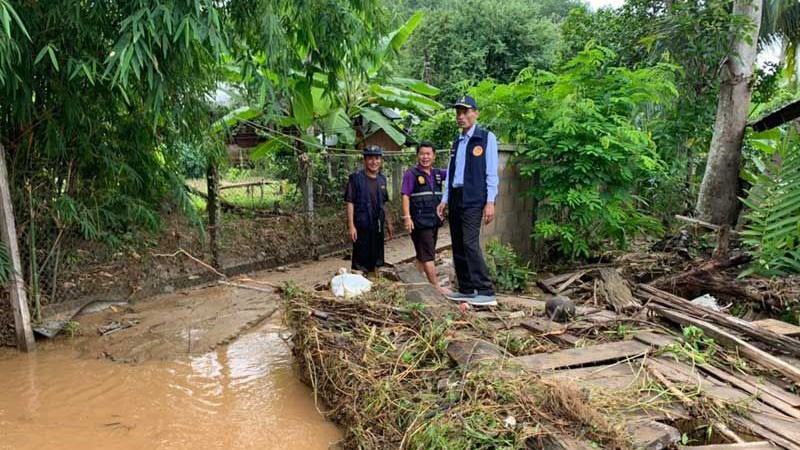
(465, 231)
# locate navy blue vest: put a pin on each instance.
(475, 190)
(364, 216)
(425, 198)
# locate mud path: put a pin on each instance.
(194, 322)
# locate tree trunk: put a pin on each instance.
(717, 202)
(213, 209)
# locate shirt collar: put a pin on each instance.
(468, 134)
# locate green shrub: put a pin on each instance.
(586, 145)
(772, 224)
(506, 269)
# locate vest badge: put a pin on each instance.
(477, 151)
(421, 180)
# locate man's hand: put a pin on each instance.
(409, 224)
(440, 210)
(353, 233)
(488, 213)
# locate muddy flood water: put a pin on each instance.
(241, 396)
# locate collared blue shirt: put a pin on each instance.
(491, 165)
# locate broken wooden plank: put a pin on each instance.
(614, 377)
(764, 396)
(729, 340)
(574, 357)
(773, 389)
(778, 327)
(521, 302)
(552, 330)
(764, 432)
(652, 435)
(569, 281)
(616, 291)
(760, 445)
(654, 339)
(673, 302)
(785, 427)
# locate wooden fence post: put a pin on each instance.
(397, 179)
(16, 285)
(212, 206)
(307, 188)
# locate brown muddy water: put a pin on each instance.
(241, 396)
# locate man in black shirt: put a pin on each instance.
(366, 197)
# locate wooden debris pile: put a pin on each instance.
(403, 373)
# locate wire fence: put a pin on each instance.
(261, 224)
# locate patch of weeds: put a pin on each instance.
(506, 269)
(695, 347)
(515, 345)
(71, 328)
(622, 332)
(739, 309)
(291, 290)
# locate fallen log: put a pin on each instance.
(729, 340)
(616, 292)
(784, 343)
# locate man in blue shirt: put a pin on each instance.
(469, 198)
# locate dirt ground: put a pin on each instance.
(195, 321)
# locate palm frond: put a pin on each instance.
(772, 226)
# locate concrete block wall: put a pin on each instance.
(513, 209)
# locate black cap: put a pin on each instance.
(373, 150)
(466, 102)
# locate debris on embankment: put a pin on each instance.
(401, 367)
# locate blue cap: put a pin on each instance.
(373, 150)
(466, 102)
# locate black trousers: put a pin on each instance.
(368, 249)
(465, 230)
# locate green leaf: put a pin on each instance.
(420, 87)
(399, 37)
(8, 10)
(385, 124)
(303, 104)
(232, 118)
(53, 57)
(267, 147)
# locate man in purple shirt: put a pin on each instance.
(422, 192)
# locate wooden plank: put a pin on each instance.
(520, 302)
(574, 357)
(760, 445)
(777, 391)
(16, 284)
(652, 435)
(552, 330)
(764, 432)
(613, 377)
(785, 427)
(729, 340)
(666, 300)
(654, 339)
(763, 396)
(680, 373)
(778, 327)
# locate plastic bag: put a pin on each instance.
(349, 285)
